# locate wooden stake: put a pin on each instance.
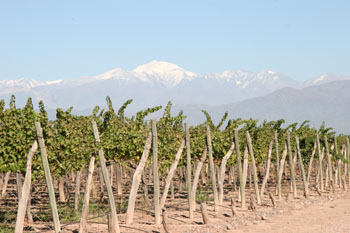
(273, 200)
(111, 224)
(188, 171)
(23, 199)
(291, 166)
(165, 221)
(6, 180)
(39, 133)
(196, 176)
(171, 174)
(222, 172)
(240, 172)
(280, 173)
(277, 159)
(330, 173)
(85, 210)
(310, 163)
(205, 215)
(137, 179)
(212, 172)
(255, 175)
(106, 177)
(155, 173)
(233, 207)
(267, 169)
(306, 188)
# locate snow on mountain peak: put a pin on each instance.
(325, 78)
(167, 73)
(21, 83)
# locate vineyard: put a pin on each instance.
(110, 172)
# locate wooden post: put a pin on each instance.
(240, 172)
(222, 172)
(61, 189)
(136, 180)
(252, 203)
(205, 215)
(188, 171)
(106, 176)
(330, 172)
(233, 207)
(255, 175)
(277, 159)
(119, 179)
(291, 166)
(212, 172)
(23, 199)
(196, 176)
(19, 185)
(39, 133)
(145, 188)
(165, 221)
(171, 174)
(306, 189)
(245, 166)
(4, 187)
(280, 172)
(111, 224)
(84, 212)
(320, 167)
(155, 173)
(309, 170)
(77, 190)
(267, 170)
(273, 200)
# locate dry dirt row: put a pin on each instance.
(330, 213)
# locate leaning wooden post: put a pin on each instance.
(137, 179)
(106, 176)
(4, 187)
(255, 175)
(165, 221)
(330, 172)
(205, 215)
(39, 133)
(238, 157)
(221, 179)
(306, 189)
(23, 201)
(85, 210)
(196, 175)
(188, 171)
(212, 172)
(277, 158)
(280, 172)
(309, 170)
(320, 167)
(155, 173)
(262, 190)
(291, 165)
(170, 175)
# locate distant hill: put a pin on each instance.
(327, 102)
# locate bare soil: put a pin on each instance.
(329, 213)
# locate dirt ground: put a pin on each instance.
(329, 213)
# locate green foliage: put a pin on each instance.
(70, 142)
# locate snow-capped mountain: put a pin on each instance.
(24, 84)
(326, 78)
(150, 84)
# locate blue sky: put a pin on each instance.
(48, 40)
